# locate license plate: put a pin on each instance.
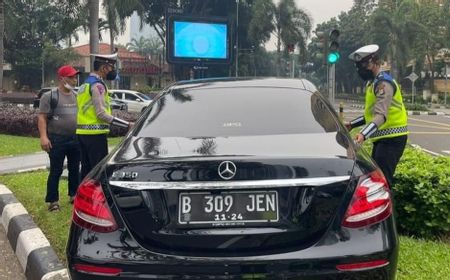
(236, 207)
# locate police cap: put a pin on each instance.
(364, 53)
(105, 58)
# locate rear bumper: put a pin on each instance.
(374, 274)
(319, 261)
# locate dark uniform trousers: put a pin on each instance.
(93, 149)
(387, 153)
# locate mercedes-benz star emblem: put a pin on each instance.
(227, 170)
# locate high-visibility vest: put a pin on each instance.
(87, 121)
(396, 120)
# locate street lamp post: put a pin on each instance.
(237, 38)
(446, 84)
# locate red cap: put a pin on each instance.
(67, 71)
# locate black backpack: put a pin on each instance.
(54, 98)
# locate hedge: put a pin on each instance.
(21, 120)
(422, 194)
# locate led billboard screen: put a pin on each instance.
(195, 40)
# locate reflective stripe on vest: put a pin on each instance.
(87, 121)
(396, 119)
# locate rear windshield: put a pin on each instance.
(237, 112)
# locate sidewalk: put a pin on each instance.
(24, 163)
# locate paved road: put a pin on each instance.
(430, 132)
(10, 268)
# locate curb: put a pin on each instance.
(425, 113)
(35, 254)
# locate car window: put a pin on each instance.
(237, 111)
(116, 94)
(143, 96)
(130, 96)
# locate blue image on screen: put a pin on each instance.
(200, 40)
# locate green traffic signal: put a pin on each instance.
(333, 57)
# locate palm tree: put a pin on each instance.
(142, 46)
(93, 6)
(292, 27)
(116, 24)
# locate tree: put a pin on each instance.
(116, 24)
(30, 25)
(2, 27)
(292, 26)
(142, 46)
(93, 27)
(395, 31)
(432, 36)
(259, 28)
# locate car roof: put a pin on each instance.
(301, 84)
(123, 90)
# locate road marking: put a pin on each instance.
(447, 152)
(438, 123)
(429, 126)
(429, 132)
(425, 150)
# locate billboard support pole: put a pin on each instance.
(237, 38)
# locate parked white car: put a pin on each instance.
(136, 101)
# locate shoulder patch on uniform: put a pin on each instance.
(100, 88)
(380, 89)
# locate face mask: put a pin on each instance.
(111, 75)
(365, 74)
(68, 86)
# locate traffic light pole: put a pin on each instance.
(331, 70)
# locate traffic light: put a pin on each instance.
(287, 68)
(333, 55)
(290, 48)
(321, 46)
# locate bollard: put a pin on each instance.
(341, 111)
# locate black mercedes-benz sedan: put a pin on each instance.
(235, 179)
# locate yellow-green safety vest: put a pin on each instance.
(87, 121)
(397, 117)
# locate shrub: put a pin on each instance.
(416, 107)
(22, 120)
(422, 194)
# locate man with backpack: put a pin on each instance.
(57, 122)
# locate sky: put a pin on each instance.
(323, 10)
(319, 10)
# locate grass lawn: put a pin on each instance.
(419, 259)
(19, 145)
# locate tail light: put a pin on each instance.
(362, 265)
(90, 209)
(371, 202)
(97, 270)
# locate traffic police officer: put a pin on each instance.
(94, 113)
(385, 117)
